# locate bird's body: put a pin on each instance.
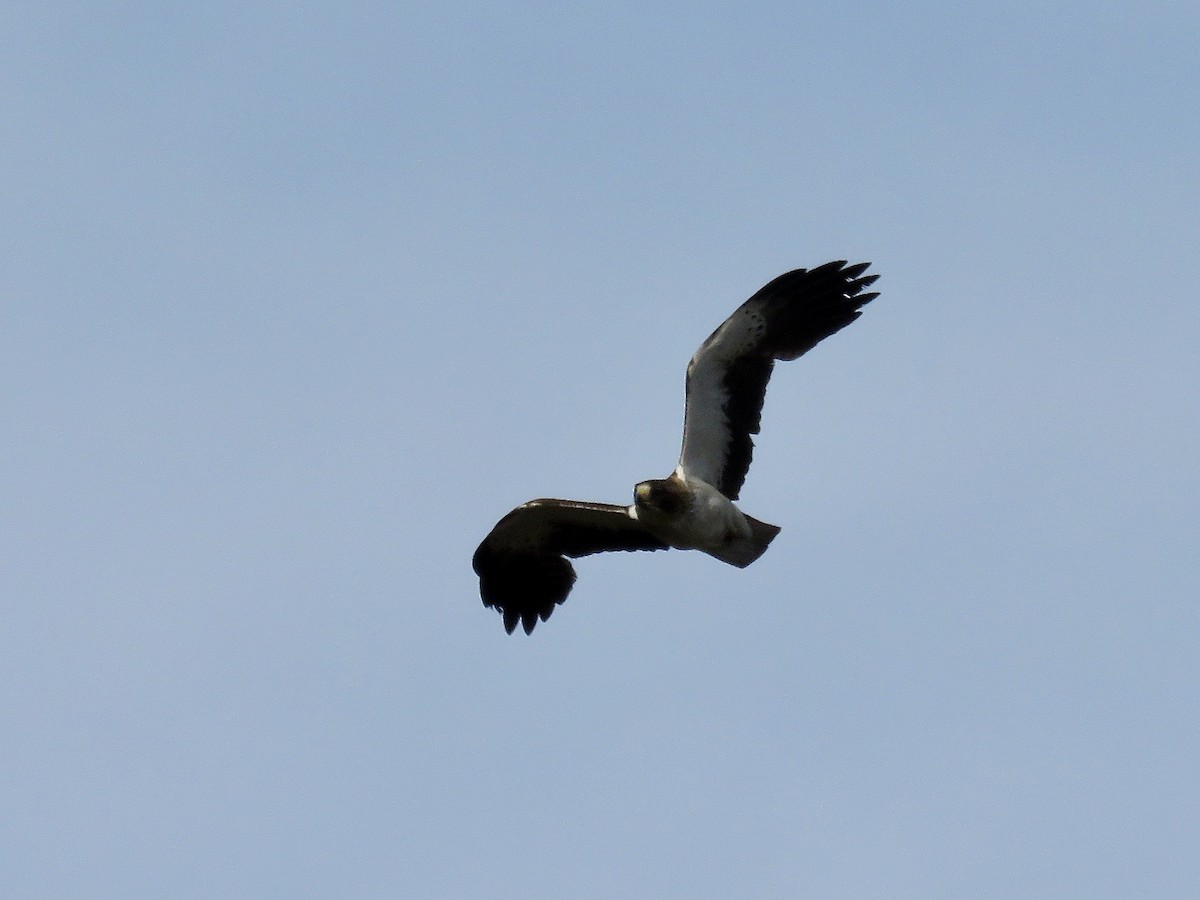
(522, 563)
(690, 514)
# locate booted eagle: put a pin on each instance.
(522, 564)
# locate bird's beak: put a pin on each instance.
(642, 492)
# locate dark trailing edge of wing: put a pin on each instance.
(802, 308)
(745, 381)
(522, 566)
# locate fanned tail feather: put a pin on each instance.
(741, 552)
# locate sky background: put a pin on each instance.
(296, 300)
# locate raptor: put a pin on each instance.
(524, 563)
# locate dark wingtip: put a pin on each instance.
(832, 266)
(522, 587)
(856, 284)
(510, 620)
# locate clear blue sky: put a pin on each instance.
(298, 299)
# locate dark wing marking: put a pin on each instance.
(522, 566)
(727, 378)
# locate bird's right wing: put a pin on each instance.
(522, 566)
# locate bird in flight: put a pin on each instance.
(522, 564)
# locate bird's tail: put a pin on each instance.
(741, 552)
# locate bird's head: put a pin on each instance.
(664, 495)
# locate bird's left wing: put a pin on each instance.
(727, 378)
(522, 566)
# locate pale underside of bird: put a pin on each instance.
(523, 565)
